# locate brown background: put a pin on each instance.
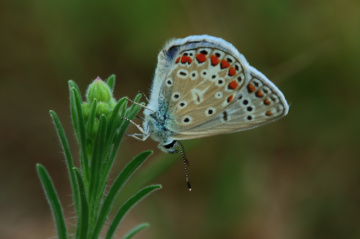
(295, 178)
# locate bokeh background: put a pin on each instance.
(296, 178)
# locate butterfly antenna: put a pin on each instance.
(147, 99)
(186, 162)
(139, 117)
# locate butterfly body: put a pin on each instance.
(203, 86)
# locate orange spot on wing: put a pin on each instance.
(214, 60)
(177, 60)
(251, 88)
(224, 64)
(185, 59)
(259, 94)
(230, 98)
(200, 58)
(267, 102)
(268, 113)
(232, 71)
(233, 85)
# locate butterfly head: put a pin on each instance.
(168, 146)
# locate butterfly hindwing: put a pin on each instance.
(258, 102)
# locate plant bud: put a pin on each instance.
(85, 109)
(98, 90)
(102, 108)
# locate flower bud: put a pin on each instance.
(102, 108)
(95, 128)
(85, 109)
(112, 103)
(98, 90)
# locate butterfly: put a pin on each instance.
(202, 87)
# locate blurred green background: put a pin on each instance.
(296, 178)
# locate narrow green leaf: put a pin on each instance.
(114, 120)
(135, 230)
(97, 159)
(158, 166)
(83, 218)
(111, 132)
(72, 84)
(124, 209)
(53, 200)
(91, 120)
(125, 174)
(124, 124)
(74, 116)
(68, 157)
(82, 136)
(111, 82)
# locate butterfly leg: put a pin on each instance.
(135, 124)
(141, 137)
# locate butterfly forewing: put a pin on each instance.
(209, 91)
(200, 84)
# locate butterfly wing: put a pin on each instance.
(208, 88)
(257, 103)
